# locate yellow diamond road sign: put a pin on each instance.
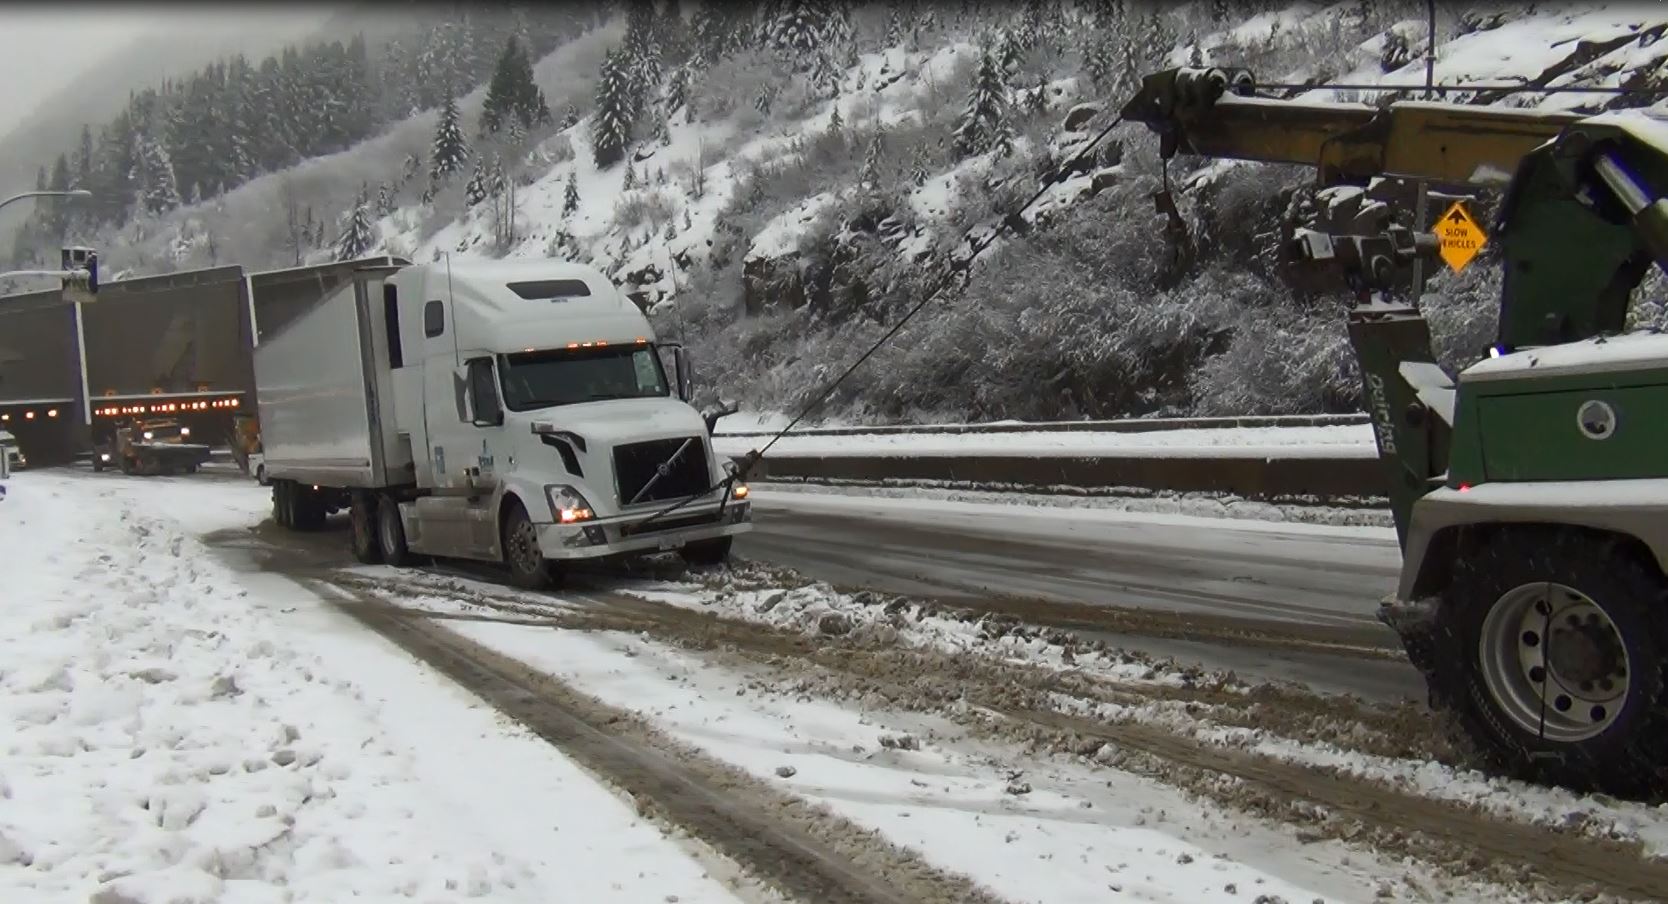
(1460, 236)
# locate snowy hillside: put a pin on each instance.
(777, 183)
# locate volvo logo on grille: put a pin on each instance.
(663, 470)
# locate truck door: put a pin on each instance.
(457, 519)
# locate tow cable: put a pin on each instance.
(956, 267)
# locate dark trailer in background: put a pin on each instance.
(41, 388)
(178, 345)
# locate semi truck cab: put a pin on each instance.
(519, 411)
(540, 387)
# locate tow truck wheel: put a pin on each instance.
(1559, 664)
(708, 552)
(528, 568)
(367, 547)
(391, 532)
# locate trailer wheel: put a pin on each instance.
(1558, 668)
(367, 548)
(391, 533)
(528, 567)
(708, 552)
(308, 507)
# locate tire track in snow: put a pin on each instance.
(802, 850)
(1324, 803)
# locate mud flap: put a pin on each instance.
(1415, 622)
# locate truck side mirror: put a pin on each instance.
(483, 395)
(685, 374)
(714, 414)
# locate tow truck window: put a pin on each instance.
(545, 379)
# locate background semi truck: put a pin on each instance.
(512, 412)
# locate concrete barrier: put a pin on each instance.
(1260, 478)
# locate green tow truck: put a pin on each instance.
(1530, 490)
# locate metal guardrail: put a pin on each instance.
(1131, 425)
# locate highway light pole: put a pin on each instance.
(72, 193)
(84, 275)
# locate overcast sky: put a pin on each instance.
(44, 47)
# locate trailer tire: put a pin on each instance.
(1595, 719)
(707, 553)
(280, 503)
(390, 533)
(519, 538)
(362, 512)
(308, 507)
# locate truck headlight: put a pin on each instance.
(149, 435)
(740, 491)
(185, 431)
(567, 505)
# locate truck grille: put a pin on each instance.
(635, 464)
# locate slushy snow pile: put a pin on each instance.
(1349, 441)
(162, 748)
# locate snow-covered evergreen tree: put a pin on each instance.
(987, 108)
(450, 151)
(895, 27)
(642, 57)
(797, 29)
(476, 191)
(356, 239)
(497, 179)
(869, 176)
(630, 179)
(570, 196)
(384, 200)
(611, 125)
(920, 165)
(159, 193)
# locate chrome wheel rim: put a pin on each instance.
(1554, 662)
(524, 548)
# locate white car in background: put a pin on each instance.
(15, 460)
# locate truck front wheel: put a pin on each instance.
(362, 510)
(528, 567)
(391, 533)
(1559, 664)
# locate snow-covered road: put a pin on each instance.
(200, 710)
(177, 732)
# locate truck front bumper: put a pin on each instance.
(616, 536)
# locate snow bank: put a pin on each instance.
(176, 738)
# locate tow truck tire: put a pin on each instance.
(1592, 719)
(127, 466)
(362, 511)
(390, 532)
(527, 565)
(708, 552)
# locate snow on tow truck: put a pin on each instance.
(510, 412)
(152, 446)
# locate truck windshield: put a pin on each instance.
(545, 379)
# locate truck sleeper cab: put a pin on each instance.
(515, 411)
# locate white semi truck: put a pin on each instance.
(517, 412)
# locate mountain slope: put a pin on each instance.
(779, 217)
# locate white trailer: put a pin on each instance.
(519, 412)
